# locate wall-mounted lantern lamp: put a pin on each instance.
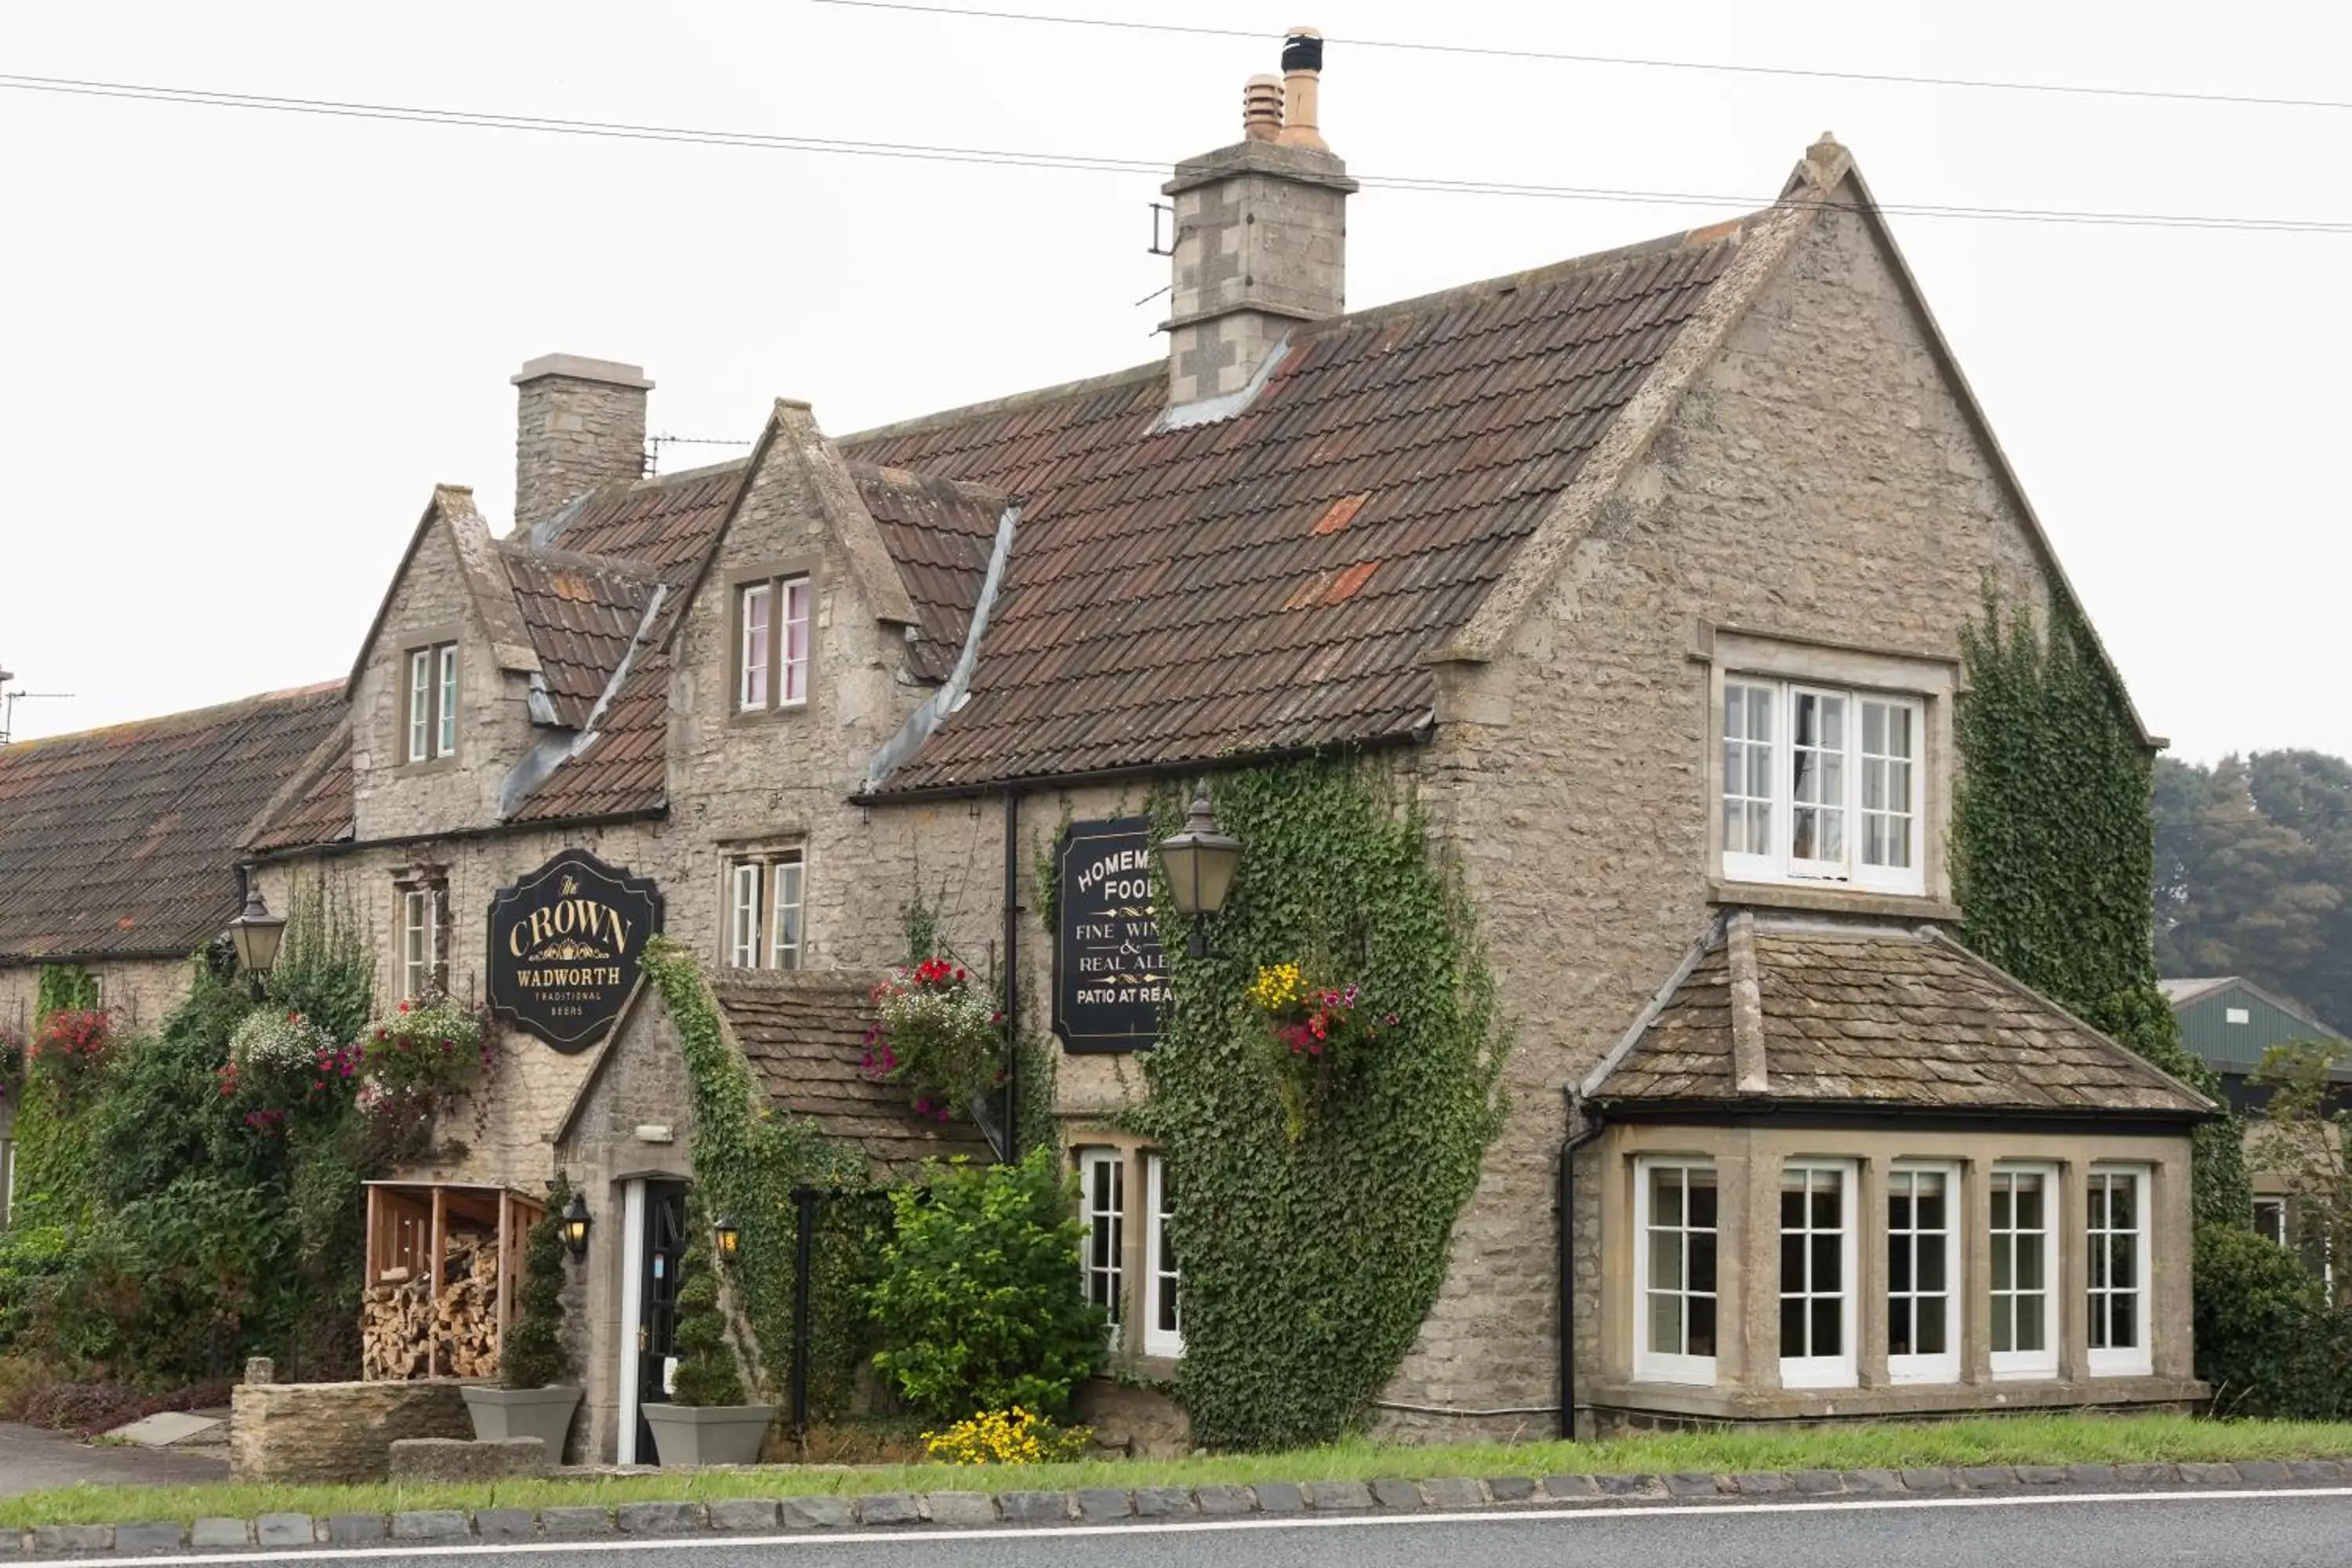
(730, 1239)
(1200, 862)
(575, 1225)
(256, 932)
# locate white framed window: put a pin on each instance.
(1163, 1312)
(2270, 1219)
(1822, 785)
(754, 615)
(765, 924)
(7, 1180)
(421, 975)
(1817, 1252)
(1923, 1270)
(1102, 1206)
(2023, 1286)
(784, 914)
(430, 703)
(2116, 1269)
(772, 644)
(1674, 1215)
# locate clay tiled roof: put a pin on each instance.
(1275, 579)
(317, 810)
(805, 1036)
(1873, 1015)
(664, 525)
(624, 769)
(120, 842)
(940, 534)
(582, 613)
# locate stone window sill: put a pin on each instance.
(1829, 900)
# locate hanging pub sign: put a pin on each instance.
(1110, 975)
(565, 947)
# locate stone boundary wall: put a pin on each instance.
(336, 1431)
(1143, 1505)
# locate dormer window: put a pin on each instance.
(772, 644)
(430, 705)
(1822, 784)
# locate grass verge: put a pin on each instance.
(2012, 1440)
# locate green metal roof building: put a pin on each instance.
(2231, 1022)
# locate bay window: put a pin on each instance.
(2117, 1270)
(1923, 1258)
(1164, 1324)
(1674, 1215)
(2024, 1263)
(1102, 1208)
(772, 644)
(1817, 1253)
(1822, 784)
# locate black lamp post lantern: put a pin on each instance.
(575, 1225)
(730, 1239)
(1200, 862)
(256, 933)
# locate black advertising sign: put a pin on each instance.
(565, 947)
(1110, 975)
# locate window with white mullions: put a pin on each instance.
(1163, 1321)
(431, 703)
(448, 705)
(2116, 1228)
(743, 915)
(1816, 1276)
(1822, 785)
(753, 660)
(1922, 1263)
(1102, 1206)
(2270, 1219)
(421, 975)
(1674, 1271)
(2024, 1263)
(765, 911)
(784, 922)
(1748, 753)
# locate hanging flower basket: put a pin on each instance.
(70, 1048)
(280, 1064)
(1322, 1036)
(935, 1035)
(434, 1049)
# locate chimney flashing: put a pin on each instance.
(578, 367)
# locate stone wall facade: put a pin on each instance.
(137, 991)
(336, 1431)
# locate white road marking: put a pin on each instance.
(898, 1536)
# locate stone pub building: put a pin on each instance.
(1644, 572)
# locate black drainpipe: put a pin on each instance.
(1013, 974)
(1567, 1148)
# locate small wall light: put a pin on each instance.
(730, 1239)
(575, 1225)
(1200, 862)
(256, 932)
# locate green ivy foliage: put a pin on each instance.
(2054, 851)
(533, 1354)
(748, 1160)
(981, 1304)
(63, 988)
(1309, 1266)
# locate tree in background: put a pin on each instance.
(2253, 874)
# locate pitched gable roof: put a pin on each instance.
(118, 843)
(1812, 1013)
(582, 613)
(940, 534)
(804, 1034)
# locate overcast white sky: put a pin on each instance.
(241, 346)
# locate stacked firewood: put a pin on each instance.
(402, 1319)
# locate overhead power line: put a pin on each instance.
(1727, 67)
(1087, 163)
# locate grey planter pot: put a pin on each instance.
(708, 1434)
(542, 1412)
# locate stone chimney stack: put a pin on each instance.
(580, 424)
(1260, 234)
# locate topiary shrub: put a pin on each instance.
(981, 1305)
(706, 1373)
(2267, 1338)
(534, 1354)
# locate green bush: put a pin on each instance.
(534, 1354)
(2267, 1338)
(706, 1373)
(981, 1303)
